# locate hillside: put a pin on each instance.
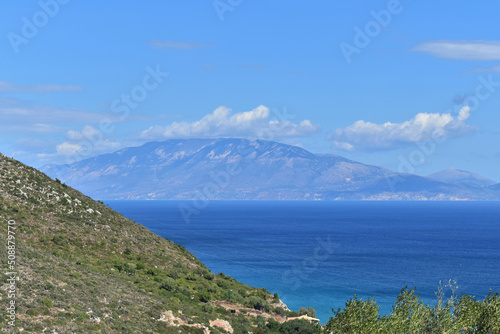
(249, 170)
(495, 187)
(83, 268)
(460, 177)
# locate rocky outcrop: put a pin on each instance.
(225, 325)
(282, 305)
(174, 321)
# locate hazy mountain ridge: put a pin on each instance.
(244, 169)
(457, 176)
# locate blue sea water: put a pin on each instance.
(320, 254)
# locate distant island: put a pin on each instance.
(231, 168)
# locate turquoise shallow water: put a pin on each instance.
(320, 254)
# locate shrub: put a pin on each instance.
(129, 267)
(58, 239)
(256, 303)
(234, 296)
(302, 326)
(191, 276)
(408, 315)
(207, 308)
(46, 302)
(169, 284)
(358, 316)
(309, 312)
(204, 296)
(273, 326)
(208, 275)
(173, 274)
(152, 271)
(223, 284)
(260, 321)
(280, 311)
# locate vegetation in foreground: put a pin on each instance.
(83, 268)
(456, 314)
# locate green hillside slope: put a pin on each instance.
(81, 267)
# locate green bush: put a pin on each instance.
(234, 296)
(309, 312)
(256, 303)
(478, 316)
(222, 284)
(204, 296)
(410, 315)
(152, 271)
(358, 316)
(207, 308)
(173, 274)
(301, 326)
(46, 302)
(169, 284)
(273, 326)
(58, 239)
(191, 276)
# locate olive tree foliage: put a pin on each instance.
(409, 315)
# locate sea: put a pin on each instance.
(320, 254)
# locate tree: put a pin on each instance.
(299, 326)
(358, 316)
(310, 312)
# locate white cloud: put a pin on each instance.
(465, 50)
(220, 123)
(464, 114)
(10, 87)
(88, 132)
(80, 145)
(67, 149)
(90, 140)
(423, 127)
(179, 45)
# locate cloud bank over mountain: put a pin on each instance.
(423, 127)
(222, 123)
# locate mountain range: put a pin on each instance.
(242, 169)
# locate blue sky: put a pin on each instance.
(413, 86)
